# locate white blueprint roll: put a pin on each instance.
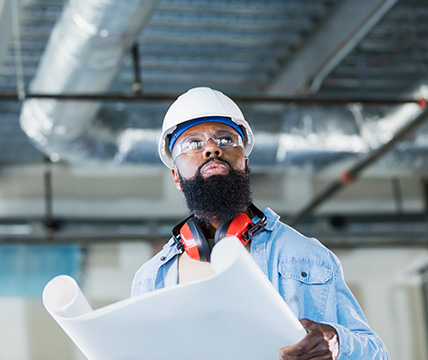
(234, 314)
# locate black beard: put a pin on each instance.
(218, 197)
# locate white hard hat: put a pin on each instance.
(200, 103)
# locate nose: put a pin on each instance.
(212, 149)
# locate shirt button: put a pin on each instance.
(162, 258)
(304, 274)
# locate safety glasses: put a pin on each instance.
(196, 142)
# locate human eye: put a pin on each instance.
(192, 145)
(225, 141)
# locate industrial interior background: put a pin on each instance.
(334, 90)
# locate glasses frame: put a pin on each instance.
(203, 137)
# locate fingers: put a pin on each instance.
(320, 343)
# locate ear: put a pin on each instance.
(174, 173)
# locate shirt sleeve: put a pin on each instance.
(158, 272)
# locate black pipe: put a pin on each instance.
(343, 241)
(349, 176)
(49, 222)
(4, 96)
(425, 193)
(137, 86)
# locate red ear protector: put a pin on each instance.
(190, 238)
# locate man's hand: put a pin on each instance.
(321, 343)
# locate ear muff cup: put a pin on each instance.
(235, 227)
(194, 241)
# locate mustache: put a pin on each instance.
(198, 171)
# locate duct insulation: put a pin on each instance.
(83, 55)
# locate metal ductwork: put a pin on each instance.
(332, 138)
(83, 56)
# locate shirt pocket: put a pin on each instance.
(305, 284)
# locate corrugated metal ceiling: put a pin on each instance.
(240, 47)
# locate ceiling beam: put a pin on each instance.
(348, 23)
(372, 230)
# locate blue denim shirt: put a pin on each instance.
(308, 276)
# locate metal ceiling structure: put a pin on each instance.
(369, 49)
(323, 82)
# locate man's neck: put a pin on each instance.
(210, 229)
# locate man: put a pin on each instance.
(206, 142)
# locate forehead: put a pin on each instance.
(207, 127)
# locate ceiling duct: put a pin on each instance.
(332, 138)
(83, 55)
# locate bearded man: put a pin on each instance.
(206, 142)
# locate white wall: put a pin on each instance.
(13, 329)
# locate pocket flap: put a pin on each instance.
(305, 270)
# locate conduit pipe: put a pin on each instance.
(83, 55)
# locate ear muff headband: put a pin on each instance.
(237, 227)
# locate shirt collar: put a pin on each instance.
(171, 249)
(271, 219)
